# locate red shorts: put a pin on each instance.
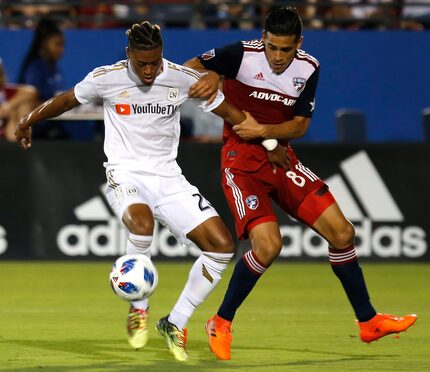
(250, 194)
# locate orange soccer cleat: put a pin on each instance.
(384, 324)
(219, 333)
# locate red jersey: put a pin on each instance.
(271, 98)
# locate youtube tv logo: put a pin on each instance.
(122, 109)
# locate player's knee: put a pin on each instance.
(343, 236)
(222, 243)
(139, 219)
(267, 248)
(140, 226)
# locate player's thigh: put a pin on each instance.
(183, 210)
(334, 227)
(124, 190)
(248, 199)
(293, 187)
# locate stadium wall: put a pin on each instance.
(53, 206)
(384, 74)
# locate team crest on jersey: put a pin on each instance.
(173, 94)
(252, 202)
(208, 55)
(299, 83)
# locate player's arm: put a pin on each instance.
(277, 155)
(231, 114)
(208, 84)
(295, 128)
(49, 109)
(286, 130)
(218, 62)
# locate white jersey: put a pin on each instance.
(141, 121)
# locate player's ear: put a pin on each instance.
(127, 52)
(264, 35)
(300, 42)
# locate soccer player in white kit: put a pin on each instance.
(141, 99)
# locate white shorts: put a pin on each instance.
(174, 202)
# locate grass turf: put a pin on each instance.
(57, 316)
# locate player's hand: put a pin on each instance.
(279, 158)
(23, 136)
(206, 87)
(249, 128)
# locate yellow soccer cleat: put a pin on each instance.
(137, 327)
(176, 339)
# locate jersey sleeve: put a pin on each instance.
(192, 76)
(205, 106)
(224, 61)
(86, 90)
(305, 104)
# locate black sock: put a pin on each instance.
(246, 273)
(345, 265)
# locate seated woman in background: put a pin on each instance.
(15, 102)
(41, 70)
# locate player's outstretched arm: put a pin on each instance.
(49, 109)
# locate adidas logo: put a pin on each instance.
(100, 233)
(259, 76)
(364, 199)
(369, 188)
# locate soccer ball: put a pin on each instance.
(133, 277)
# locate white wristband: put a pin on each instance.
(269, 144)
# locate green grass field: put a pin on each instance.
(64, 317)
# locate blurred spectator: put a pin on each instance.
(362, 14)
(97, 15)
(15, 102)
(134, 11)
(307, 10)
(262, 8)
(41, 70)
(172, 13)
(416, 17)
(228, 15)
(25, 13)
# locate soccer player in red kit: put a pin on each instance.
(275, 81)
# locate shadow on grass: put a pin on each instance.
(115, 355)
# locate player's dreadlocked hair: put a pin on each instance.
(284, 22)
(144, 36)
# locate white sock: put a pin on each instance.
(204, 276)
(139, 244)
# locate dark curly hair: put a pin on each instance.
(144, 36)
